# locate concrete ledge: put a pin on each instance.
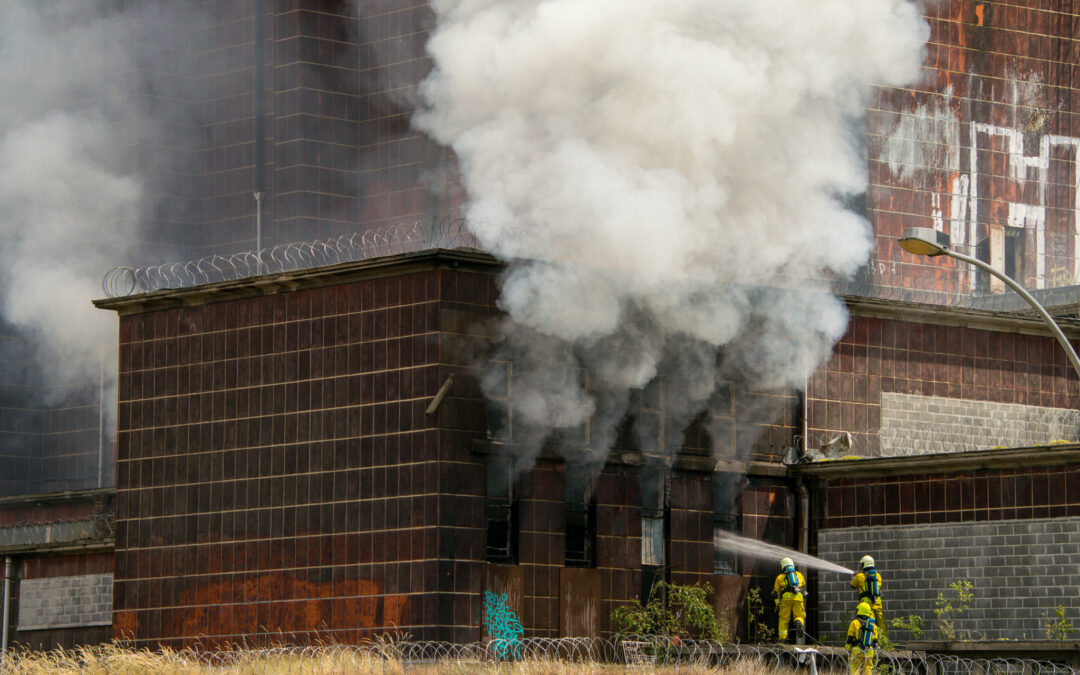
(1061, 651)
(948, 462)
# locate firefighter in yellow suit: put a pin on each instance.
(862, 635)
(789, 589)
(867, 583)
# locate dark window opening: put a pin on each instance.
(502, 512)
(1004, 250)
(727, 519)
(654, 518)
(580, 511)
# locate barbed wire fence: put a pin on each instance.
(299, 255)
(644, 653)
(49, 531)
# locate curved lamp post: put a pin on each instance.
(928, 242)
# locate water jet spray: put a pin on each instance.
(762, 551)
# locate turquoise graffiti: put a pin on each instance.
(503, 626)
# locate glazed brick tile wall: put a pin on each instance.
(1008, 562)
(971, 496)
(277, 473)
(950, 151)
(618, 538)
(886, 356)
(691, 529)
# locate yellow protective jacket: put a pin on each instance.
(781, 588)
(853, 634)
(859, 583)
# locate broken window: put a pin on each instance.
(502, 511)
(654, 490)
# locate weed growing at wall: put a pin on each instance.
(949, 607)
(1058, 627)
(911, 623)
(757, 629)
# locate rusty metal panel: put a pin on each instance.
(729, 602)
(508, 580)
(579, 602)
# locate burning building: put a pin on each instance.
(663, 298)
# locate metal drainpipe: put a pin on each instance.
(800, 486)
(101, 417)
(6, 610)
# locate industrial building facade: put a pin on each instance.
(278, 475)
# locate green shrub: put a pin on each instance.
(673, 610)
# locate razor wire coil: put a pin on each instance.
(298, 255)
(633, 653)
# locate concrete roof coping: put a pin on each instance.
(900, 465)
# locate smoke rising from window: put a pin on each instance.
(666, 178)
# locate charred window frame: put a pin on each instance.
(503, 523)
(579, 508)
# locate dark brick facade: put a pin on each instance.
(948, 151)
(880, 355)
(953, 497)
(278, 477)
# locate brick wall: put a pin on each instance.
(880, 361)
(65, 602)
(62, 600)
(1021, 571)
(985, 140)
(277, 475)
(913, 424)
(963, 496)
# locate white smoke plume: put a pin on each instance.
(671, 173)
(64, 207)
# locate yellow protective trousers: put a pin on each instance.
(791, 607)
(862, 660)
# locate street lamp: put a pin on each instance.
(928, 242)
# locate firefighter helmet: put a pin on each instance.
(866, 562)
(786, 563)
(863, 610)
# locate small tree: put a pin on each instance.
(911, 623)
(673, 610)
(948, 608)
(1058, 627)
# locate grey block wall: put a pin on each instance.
(65, 602)
(1021, 571)
(913, 424)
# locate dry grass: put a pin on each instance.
(114, 660)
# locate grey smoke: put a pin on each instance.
(77, 128)
(64, 206)
(673, 173)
